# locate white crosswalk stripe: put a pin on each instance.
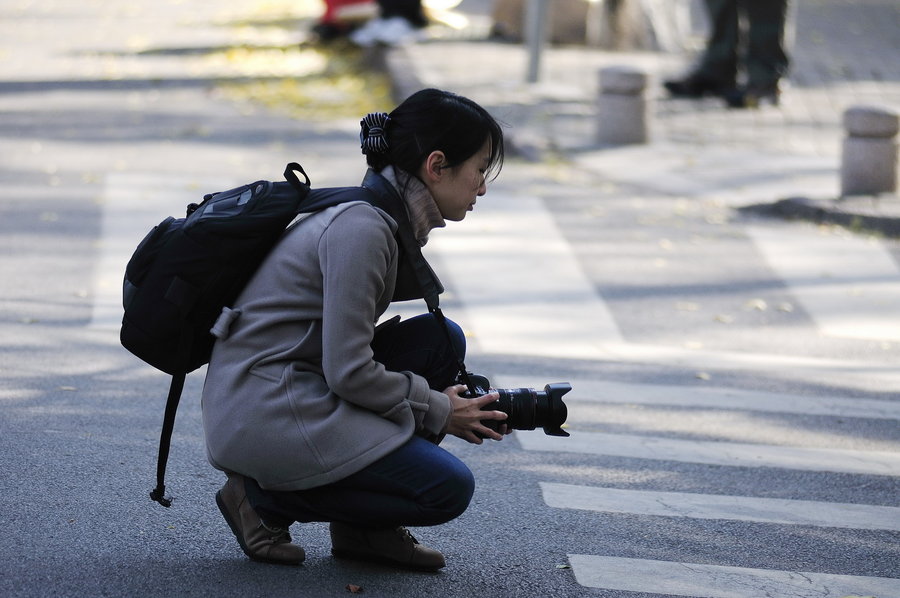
(692, 579)
(729, 454)
(541, 305)
(605, 391)
(716, 506)
(711, 581)
(850, 285)
(524, 294)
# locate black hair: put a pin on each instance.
(435, 120)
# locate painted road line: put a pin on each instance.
(133, 203)
(521, 284)
(713, 581)
(524, 293)
(729, 454)
(598, 391)
(849, 284)
(714, 506)
(864, 375)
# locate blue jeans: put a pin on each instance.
(420, 483)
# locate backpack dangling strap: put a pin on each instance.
(165, 439)
(158, 494)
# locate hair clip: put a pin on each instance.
(372, 136)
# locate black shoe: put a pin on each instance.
(753, 96)
(697, 86)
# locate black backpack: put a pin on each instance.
(186, 270)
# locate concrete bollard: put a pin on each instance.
(869, 155)
(621, 106)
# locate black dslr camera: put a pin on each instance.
(526, 408)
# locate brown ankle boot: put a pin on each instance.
(259, 542)
(392, 546)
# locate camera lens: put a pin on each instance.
(528, 409)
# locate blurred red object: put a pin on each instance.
(344, 11)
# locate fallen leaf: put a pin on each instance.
(354, 589)
(687, 306)
(757, 304)
(702, 376)
(564, 566)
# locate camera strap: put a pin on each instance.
(387, 198)
(463, 373)
(431, 289)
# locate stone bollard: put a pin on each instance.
(869, 156)
(621, 106)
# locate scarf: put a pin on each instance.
(424, 214)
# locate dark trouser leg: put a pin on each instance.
(419, 484)
(421, 345)
(716, 71)
(719, 61)
(411, 10)
(766, 60)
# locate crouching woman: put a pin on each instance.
(313, 411)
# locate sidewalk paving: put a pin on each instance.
(783, 160)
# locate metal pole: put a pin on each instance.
(535, 17)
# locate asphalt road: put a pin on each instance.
(700, 366)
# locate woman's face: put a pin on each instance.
(458, 187)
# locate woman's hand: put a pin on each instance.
(465, 421)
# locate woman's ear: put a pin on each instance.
(434, 166)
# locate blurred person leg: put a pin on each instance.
(716, 73)
(766, 61)
(411, 10)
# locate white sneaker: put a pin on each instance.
(398, 31)
(394, 31)
(369, 34)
